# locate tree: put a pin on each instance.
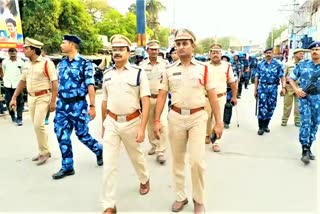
(163, 35)
(273, 34)
(38, 24)
(133, 8)
(96, 8)
(115, 23)
(75, 20)
(48, 20)
(153, 8)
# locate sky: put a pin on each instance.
(249, 20)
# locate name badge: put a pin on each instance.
(176, 74)
(107, 79)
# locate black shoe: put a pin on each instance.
(100, 160)
(226, 126)
(62, 173)
(266, 129)
(305, 155)
(260, 131)
(311, 156)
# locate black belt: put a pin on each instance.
(269, 83)
(72, 99)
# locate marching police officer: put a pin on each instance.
(290, 97)
(188, 81)
(267, 77)
(308, 73)
(124, 86)
(40, 77)
(154, 66)
(222, 75)
(73, 112)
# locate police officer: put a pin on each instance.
(222, 74)
(73, 112)
(238, 68)
(268, 75)
(154, 66)
(188, 81)
(40, 77)
(309, 103)
(231, 90)
(173, 55)
(290, 96)
(124, 86)
(12, 69)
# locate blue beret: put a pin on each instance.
(314, 45)
(268, 49)
(72, 38)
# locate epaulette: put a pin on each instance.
(135, 66)
(143, 62)
(107, 70)
(171, 65)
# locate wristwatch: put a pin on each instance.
(92, 106)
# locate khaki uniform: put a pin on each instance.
(154, 73)
(290, 96)
(34, 75)
(187, 87)
(222, 74)
(122, 94)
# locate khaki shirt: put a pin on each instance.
(186, 84)
(289, 67)
(33, 73)
(121, 91)
(222, 74)
(154, 73)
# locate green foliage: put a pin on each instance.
(37, 24)
(96, 8)
(163, 36)
(48, 20)
(273, 34)
(75, 20)
(115, 23)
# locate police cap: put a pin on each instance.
(32, 43)
(72, 38)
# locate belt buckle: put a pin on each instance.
(185, 111)
(121, 118)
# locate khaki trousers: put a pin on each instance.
(211, 120)
(114, 134)
(188, 130)
(38, 108)
(289, 99)
(159, 145)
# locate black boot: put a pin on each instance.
(261, 127)
(266, 125)
(305, 154)
(311, 156)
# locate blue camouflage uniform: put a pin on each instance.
(269, 76)
(72, 108)
(309, 106)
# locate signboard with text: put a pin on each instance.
(10, 26)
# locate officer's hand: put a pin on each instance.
(234, 101)
(140, 136)
(218, 129)
(156, 130)
(300, 93)
(92, 113)
(283, 92)
(13, 104)
(52, 106)
(255, 93)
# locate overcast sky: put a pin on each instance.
(244, 19)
